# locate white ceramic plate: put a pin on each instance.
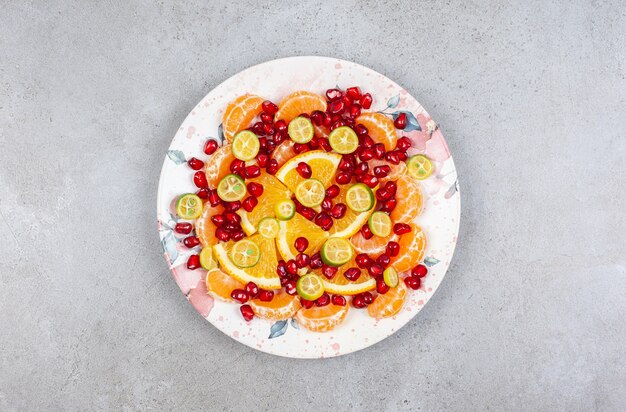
(274, 80)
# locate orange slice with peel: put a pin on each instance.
(273, 191)
(323, 166)
(299, 102)
(205, 228)
(352, 221)
(240, 113)
(294, 228)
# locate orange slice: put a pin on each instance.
(284, 152)
(396, 170)
(342, 286)
(412, 248)
(373, 246)
(294, 228)
(273, 191)
(283, 306)
(352, 221)
(240, 113)
(218, 165)
(388, 304)
(299, 102)
(220, 285)
(410, 201)
(323, 165)
(321, 319)
(205, 228)
(380, 128)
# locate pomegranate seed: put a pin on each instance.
(237, 166)
(413, 282)
(324, 144)
(292, 267)
(195, 164)
(366, 101)
(301, 244)
(392, 157)
(346, 101)
(266, 295)
(361, 130)
(316, 261)
(367, 297)
(400, 121)
(214, 199)
(280, 126)
(338, 300)
(402, 156)
(353, 92)
(329, 271)
(249, 203)
(352, 274)
(389, 205)
(317, 117)
(332, 192)
(232, 206)
(379, 151)
(252, 290)
(336, 107)
(391, 187)
(323, 300)
(267, 118)
(363, 261)
(392, 249)
(193, 262)
(327, 225)
(347, 163)
(343, 178)
(307, 304)
(381, 286)
(382, 171)
(403, 144)
(210, 146)
(420, 271)
(375, 270)
(338, 211)
(281, 268)
(269, 129)
(302, 260)
(327, 204)
(314, 143)
(324, 221)
(253, 171)
(354, 111)
(258, 128)
(370, 180)
(327, 120)
(191, 241)
(361, 169)
(262, 159)
(199, 179)
(337, 124)
(290, 287)
(263, 142)
(255, 189)
(366, 232)
(333, 94)
(383, 260)
(279, 137)
(304, 170)
(367, 142)
(308, 213)
(365, 154)
(247, 312)
(222, 234)
(203, 193)
(272, 166)
(383, 194)
(269, 107)
(238, 235)
(358, 302)
(183, 228)
(300, 148)
(232, 218)
(230, 227)
(401, 228)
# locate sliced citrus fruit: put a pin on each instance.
(297, 227)
(205, 228)
(419, 166)
(301, 130)
(207, 261)
(388, 304)
(245, 253)
(299, 102)
(410, 205)
(373, 246)
(412, 248)
(220, 285)
(284, 152)
(189, 206)
(380, 224)
(218, 165)
(282, 306)
(240, 113)
(336, 251)
(396, 170)
(343, 140)
(321, 319)
(263, 273)
(360, 198)
(323, 166)
(380, 128)
(268, 227)
(352, 221)
(246, 145)
(390, 277)
(340, 285)
(310, 192)
(310, 286)
(285, 209)
(231, 188)
(273, 192)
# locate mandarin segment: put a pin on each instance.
(321, 319)
(240, 113)
(218, 165)
(380, 128)
(282, 306)
(388, 304)
(299, 102)
(409, 191)
(412, 248)
(220, 284)
(373, 246)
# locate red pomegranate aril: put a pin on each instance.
(366, 232)
(346, 101)
(352, 274)
(279, 137)
(368, 298)
(307, 212)
(233, 218)
(370, 180)
(272, 166)
(317, 117)
(332, 192)
(237, 166)
(347, 163)
(271, 145)
(338, 211)
(195, 164)
(214, 198)
(402, 156)
(327, 120)
(326, 226)
(382, 171)
(314, 143)
(302, 260)
(191, 241)
(381, 286)
(325, 144)
(365, 154)
(316, 261)
(269, 129)
(337, 124)
(281, 268)
(338, 300)
(361, 130)
(379, 151)
(258, 129)
(240, 295)
(255, 189)
(232, 206)
(284, 280)
(269, 107)
(363, 261)
(292, 267)
(304, 170)
(253, 171)
(389, 205)
(247, 312)
(358, 302)
(420, 271)
(383, 260)
(376, 270)
(301, 244)
(336, 107)
(391, 187)
(343, 178)
(238, 235)
(354, 111)
(333, 94)
(367, 142)
(222, 234)
(361, 169)
(393, 248)
(400, 121)
(210, 146)
(203, 193)
(392, 157)
(262, 143)
(267, 118)
(266, 295)
(329, 271)
(252, 290)
(327, 204)
(401, 228)
(231, 228)
(403, 144)
(353, 92)
(183, 228)
(300, 148)
(199, 179)
(290, 287)
(193, 262)
(280, 126)
(366, 101)
(249, 203)
(413, 282)
(323, 300)
(323, 220)
(307, 304)
(383, 194)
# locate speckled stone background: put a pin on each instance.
(531, 97)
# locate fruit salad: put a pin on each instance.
(306, 210)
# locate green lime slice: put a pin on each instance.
(189, 206)
(310, 286)
(206, 258)
(245, 253)
(231, 188)
(285, 209)
(380, 224)
(390, 277)
(245, 145)
(310, 192)
(268, 227)
(419, 167)
(360, 197)
(301, 130)
(336, 251)
(343, 140)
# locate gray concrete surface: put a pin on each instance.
(531, 97)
